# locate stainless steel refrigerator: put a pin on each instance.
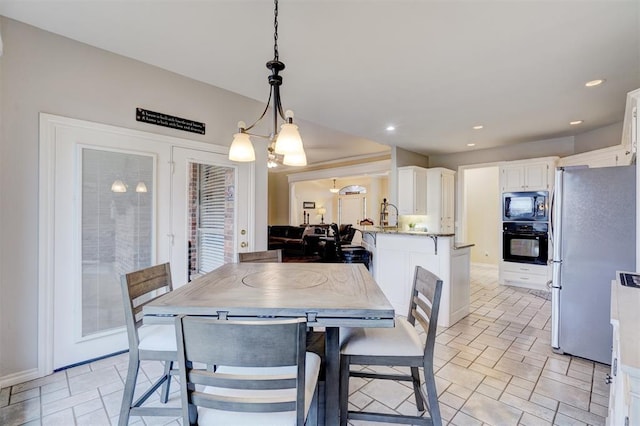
(593, 236)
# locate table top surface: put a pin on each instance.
(337, 294)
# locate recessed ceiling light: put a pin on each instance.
(471, 144)
(594, 83)
(576, 122)
(391, 128)
(478, 127)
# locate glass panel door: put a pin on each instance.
(116, 231)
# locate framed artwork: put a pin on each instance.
(308, 204)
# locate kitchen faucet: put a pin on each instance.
(384, 214)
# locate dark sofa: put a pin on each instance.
(288, 238)
(295, 240)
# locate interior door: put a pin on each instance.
(111, 194)
(210, 212)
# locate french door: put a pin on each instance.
(114, 201)
(210, 211)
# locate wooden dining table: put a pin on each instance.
(330, 295)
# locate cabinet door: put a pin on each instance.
(412, 190)
(405, 191)
(448, 203)
(420, 192)
(513, 178)
(535, 176)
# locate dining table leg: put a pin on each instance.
(332, 376)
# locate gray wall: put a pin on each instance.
(596, 139)
(599, 138)
(42, 72)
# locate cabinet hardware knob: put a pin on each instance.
(608, 379)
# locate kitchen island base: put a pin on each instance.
(395, 256)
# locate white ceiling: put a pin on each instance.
(433, 69)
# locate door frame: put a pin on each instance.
(46, 220)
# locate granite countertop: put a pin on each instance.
(391, 230)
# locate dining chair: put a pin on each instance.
(267, 256)
(147, 341)
(263, 376)
(400, 346)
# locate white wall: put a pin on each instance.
(482, 195)
(42, 72)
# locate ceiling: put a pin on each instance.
(433, 69)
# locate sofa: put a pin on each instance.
(294, 240)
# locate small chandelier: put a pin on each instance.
(334, 189)
(287, 142)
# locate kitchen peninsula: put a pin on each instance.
(395, 256)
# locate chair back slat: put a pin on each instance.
(240, 349)
(138, 289)
(267, 256)
(427, 291)
(253, 405)
(147, 280)
(242, 381)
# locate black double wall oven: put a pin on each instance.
(525, 242)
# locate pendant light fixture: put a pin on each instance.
(334, 189)
(287, 141)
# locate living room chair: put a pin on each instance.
(400, 346)
(147, 342)
(264, 375)
(267, 256)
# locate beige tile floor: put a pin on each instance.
(494, 367)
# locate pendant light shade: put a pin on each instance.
(118, 186)
(241, 148)
(295, 159)
(289, 140)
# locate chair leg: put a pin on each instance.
(344, 389)
(432, 396)
(415, 378)
(129, 389)
(164, 394)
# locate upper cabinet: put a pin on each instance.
(618, 155)
(412, 190)
(631, 122)
(440, 200)
(530, 175)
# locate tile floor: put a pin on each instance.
(494, 367)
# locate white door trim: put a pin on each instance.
(49, 123)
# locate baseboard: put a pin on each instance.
(20, 377)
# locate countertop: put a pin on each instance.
(378, 230)
(625, 304)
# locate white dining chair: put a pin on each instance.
(263, 376)
(400, 346)
(147, 342)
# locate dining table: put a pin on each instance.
(329, 295)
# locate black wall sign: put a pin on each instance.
(165, 120)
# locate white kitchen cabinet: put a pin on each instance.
(412, 190)
(524, 275)
(440, 200)
(617, 155)
(529, 175)
(624, 379)
(631, 121)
